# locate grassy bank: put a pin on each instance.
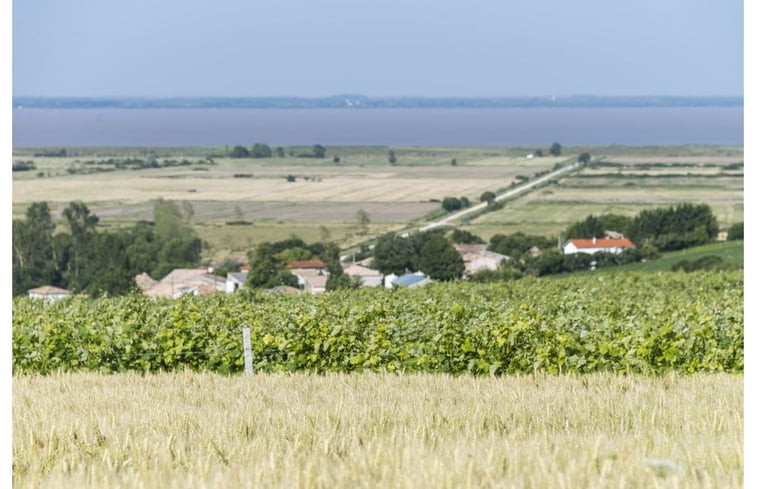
(190, 430)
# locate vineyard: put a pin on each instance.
(636, 323)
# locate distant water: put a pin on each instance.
(393, 127)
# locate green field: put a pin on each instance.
(372, 430)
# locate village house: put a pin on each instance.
(477, 258)
(235, 281)
(594, 245)
(368, 276)
(199, 281)
(312, 275)
(48, 293)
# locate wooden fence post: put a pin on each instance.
(247, 351)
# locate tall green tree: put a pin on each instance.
(81, 225)
(439, 259)
(33, 254)
(555, 149)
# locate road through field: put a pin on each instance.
(505, 195)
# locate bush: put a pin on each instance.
(707, 262)
(736, 232)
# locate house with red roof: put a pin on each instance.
(312, 275)
(594, 245)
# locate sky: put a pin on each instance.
(477, 48)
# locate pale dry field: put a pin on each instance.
(191, 430)
(329, 184)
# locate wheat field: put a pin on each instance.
(200, 430)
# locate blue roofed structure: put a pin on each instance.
(409, 280)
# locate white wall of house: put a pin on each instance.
(571, 248)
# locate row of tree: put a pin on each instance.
(260, 150)
(83, 258)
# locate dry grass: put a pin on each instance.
(191, 430)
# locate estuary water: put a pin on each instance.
(536, 126)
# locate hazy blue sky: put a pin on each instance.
(379, 48)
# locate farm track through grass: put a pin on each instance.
(192, 430)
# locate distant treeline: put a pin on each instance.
(362, 101)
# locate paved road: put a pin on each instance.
(505, 195)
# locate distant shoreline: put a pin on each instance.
(365, 102)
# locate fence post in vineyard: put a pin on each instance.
(247, 350)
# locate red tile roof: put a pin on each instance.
(307, 264)
(603, 243)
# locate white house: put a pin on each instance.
(235, 281)
(594, 245)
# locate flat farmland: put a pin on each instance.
(416, 180)
(626, 189)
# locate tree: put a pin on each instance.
(33, 254)
(591, 227)
(736, 232)
(260, 150)
(517, 244)
(488, 197)
(453, 162)
(169, 221)
(239, 152)
(363, 220)
(450, 204)
(280, 152)
(392, 157)
(267, 269)
(461, 236)
(187, 210)
(538, 153)
(81, 225)
(324, 232)
(555, 149)
(319, 151)
(584, 158)
(439, 259)
(395, 254)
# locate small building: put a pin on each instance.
(311, 280)
(594, 245)
(48, 293)
(411, 280)
(195, 281)
(368, 276)
(235, 281)
(477, 258)
(389, 280)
